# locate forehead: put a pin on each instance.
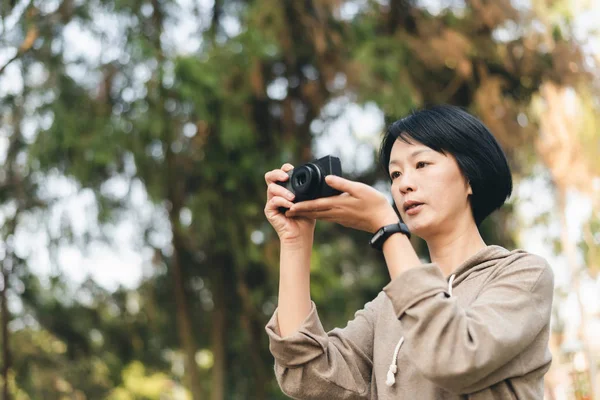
(402, 150)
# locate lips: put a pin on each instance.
(411, 204)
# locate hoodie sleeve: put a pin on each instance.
(313, 364)
(463, 349)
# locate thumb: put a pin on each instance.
(341, 184)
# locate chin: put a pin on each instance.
(421, 229)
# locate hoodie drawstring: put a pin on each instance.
(391, 379)
(391, 374)
(450, 284)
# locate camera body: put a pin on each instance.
(307, 181)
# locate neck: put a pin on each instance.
(451, 249)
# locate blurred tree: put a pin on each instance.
(563, 132)
(567, 113)
(17, 199)
(194, 105)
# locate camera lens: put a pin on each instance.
(306, 179)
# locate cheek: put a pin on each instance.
(446, 188)
(454, 193)
(396, 196)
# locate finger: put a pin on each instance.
(313, 205)
(275, 203)
(324, 203)
(324, 215)
(342, 184)
(276, 175)
(287, 167)
(277, 190)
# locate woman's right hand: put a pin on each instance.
(291, 230)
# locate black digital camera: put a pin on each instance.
(307, 181)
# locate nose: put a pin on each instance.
(406, 183)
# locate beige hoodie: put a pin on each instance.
(482, 334)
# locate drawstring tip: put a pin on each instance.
(391, 379)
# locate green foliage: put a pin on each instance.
(198, 129)
(137, 385)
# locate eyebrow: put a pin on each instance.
(412, 155)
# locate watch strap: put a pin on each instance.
(385, 232)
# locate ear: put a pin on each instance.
(469, 188)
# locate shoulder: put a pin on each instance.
(532, 270)
(372, 307)
(377, 303)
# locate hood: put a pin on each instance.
(484, 258)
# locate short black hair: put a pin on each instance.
(450, 129)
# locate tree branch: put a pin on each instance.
(32, 35)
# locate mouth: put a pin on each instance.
(413, 208)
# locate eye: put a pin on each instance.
(394, 175)
(421, 164)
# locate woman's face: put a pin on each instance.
(428, 188)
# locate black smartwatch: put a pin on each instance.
(385, 232)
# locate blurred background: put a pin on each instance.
(136, 261)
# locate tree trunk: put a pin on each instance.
(6, 356)
(247, 321)
(186, 335)
(569, 249)
(174, 194)
(219, 336)
(219, 319)
(184, 325)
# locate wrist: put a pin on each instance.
(387, 219)
(297, 244)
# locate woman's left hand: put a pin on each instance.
(359, 206)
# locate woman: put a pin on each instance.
(472, 324)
